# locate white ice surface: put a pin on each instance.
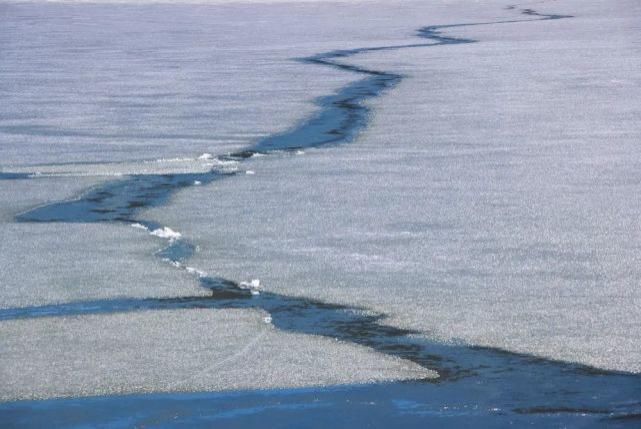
(52, 263)
(105, 82)
(188, 350)
(115, 170)
(493, 199)
(94, 91)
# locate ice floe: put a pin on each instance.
(177, 350)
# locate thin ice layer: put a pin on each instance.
(493, 199)
(91, 90)
(52, 263)
(188, 350)
(105, 82)
(114, 170)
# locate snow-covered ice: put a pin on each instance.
(57, 263)
(111, 170)
(188, 350)
(253, 286)
(53, 263)
(491, 200)
(105, 83)
(99, 92)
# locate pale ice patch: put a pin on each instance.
(177, 350)
(115, 169)
(198, 99)
(224, 162)
(41, 174)
(493, 200)
(253, 284)
(53, 263)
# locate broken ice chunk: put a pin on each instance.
(166, 232)
(253, 286)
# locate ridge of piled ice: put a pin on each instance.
(166, 232)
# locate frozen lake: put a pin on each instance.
(238, 196)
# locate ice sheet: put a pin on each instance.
(51, 263)
(57, 263)
(19, 195)
(104, 82)
(493, 199)
(115, 170)
(99, 92)
(191, 350)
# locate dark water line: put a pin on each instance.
(14, 176)
(561, 387)
(118, 201)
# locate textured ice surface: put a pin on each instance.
(493, 199)
(174, 351)
(17, 196)
(61, 262)
(111, 170)
(100, 82)
(49, 263)
(93, 91)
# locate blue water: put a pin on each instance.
(477, 387)
(404, 405)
